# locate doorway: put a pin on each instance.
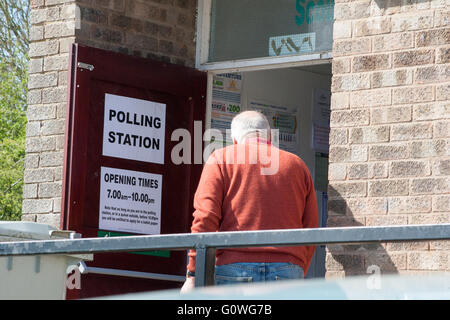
(296, 100)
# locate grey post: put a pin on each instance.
(204, 266)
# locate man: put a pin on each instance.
(236, 194)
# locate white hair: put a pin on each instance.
(249, 123)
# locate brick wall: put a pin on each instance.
(52, 32)
(156, 29)
(389, 141)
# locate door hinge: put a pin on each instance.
(86, 66)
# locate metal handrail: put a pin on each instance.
(84, 269)
(206, 244)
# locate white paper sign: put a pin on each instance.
(226, 102)
(134, 129)
(321, 106)
(282, 118)
(130, 201)
(321, 120)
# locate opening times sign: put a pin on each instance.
(130, 201)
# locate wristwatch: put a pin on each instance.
(190, 274)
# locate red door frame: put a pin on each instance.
(131, 71)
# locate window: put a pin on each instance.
(236, 30)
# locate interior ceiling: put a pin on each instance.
(324, 69)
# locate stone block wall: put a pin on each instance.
(389, 140)
(52, 32)
(157, 29)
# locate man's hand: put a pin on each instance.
(188, 285)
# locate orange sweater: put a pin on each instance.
(236, 197)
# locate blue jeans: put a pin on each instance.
(253, 272)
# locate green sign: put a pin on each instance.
(157, 253)
(319, 11)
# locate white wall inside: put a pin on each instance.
(291, 87)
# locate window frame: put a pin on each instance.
(202, 50)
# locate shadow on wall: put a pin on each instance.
(356, 259)
(394, 5)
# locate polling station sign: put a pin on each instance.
(134, 129)
(130, 201)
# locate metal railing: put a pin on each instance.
(206, 244)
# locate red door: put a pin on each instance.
(179, 93)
